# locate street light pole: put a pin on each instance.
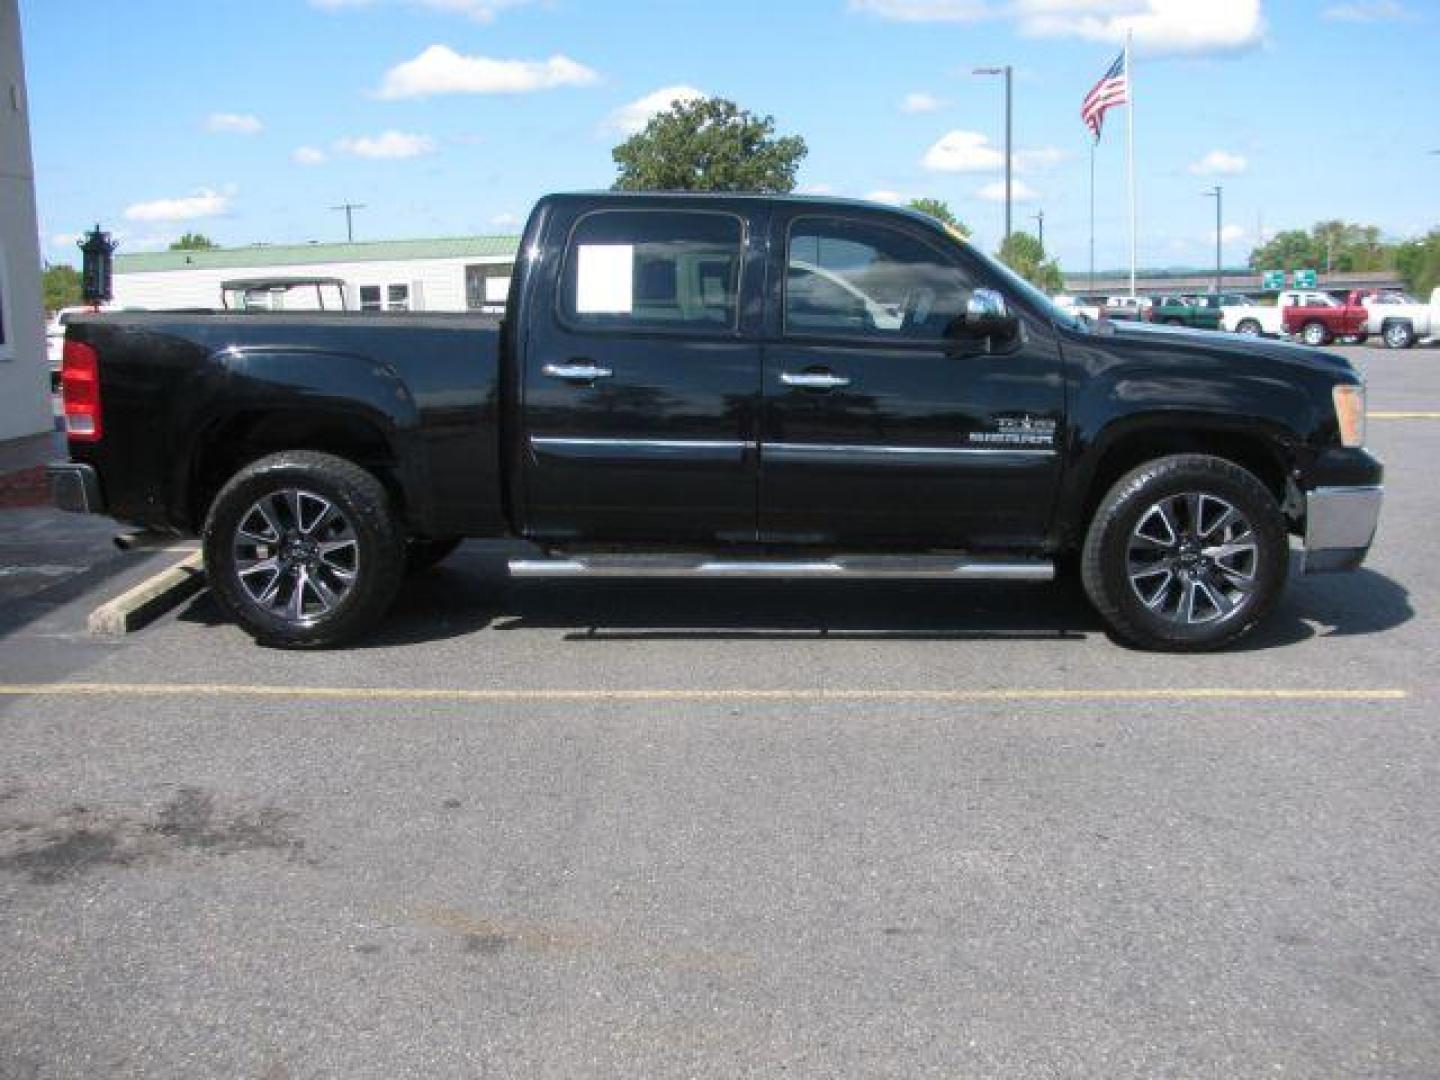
(349, 208)
(1039, 216)
(1217, 193)
(1009, 73)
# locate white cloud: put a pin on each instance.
(814, 189)
(1364, 12)
(1231, 234)
(963, 151)
(1019, 192)
(505, 221)
(308, 155)
(1160, 26)
(234, 123)
(925, 10)
(920, 103)
(482, 11)
(65, 241)
(441, 70)
(1219, 163)
(204, 203)
(893, 198)
(628, 119)
(388, 144)
(972, 152)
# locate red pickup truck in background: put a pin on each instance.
(1317, 318)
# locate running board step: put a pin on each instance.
(932, 567)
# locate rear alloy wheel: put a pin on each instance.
(1314, 333)
(1249, 327)
(1399, 335)
(302, 549)
(1185, 553)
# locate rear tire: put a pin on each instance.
(302, 550)
(1398, 335)
(1249, 327)
(1314, 333)
(1186, 553)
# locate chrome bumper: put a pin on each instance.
(75, 488)
(1339, 526)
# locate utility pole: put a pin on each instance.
(1009, 73)
(349, 208)
(1217, 193)
(1039, 217)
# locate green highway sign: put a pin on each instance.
(1304, 279)
(1273, 279)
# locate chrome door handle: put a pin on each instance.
(577, 372)
(814, 380)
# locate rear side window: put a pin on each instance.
(653, 270)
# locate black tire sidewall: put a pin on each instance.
(364, 502)
(1248, 327)
(1104, 566)
(1407, 336)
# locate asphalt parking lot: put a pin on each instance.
(657, 829)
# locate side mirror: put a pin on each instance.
(987, 325)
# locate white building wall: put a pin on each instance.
(24, 370)
(435, 284)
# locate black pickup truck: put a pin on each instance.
(726, 387)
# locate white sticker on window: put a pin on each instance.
(605, 279)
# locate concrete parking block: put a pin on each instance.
(138, 607)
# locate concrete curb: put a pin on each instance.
(138, 607)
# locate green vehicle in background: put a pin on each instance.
(1199, 312)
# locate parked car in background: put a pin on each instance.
(1318, 318)
(1172, 310)
(1128, 308)
(1242, 314)
(1399, 318)
(1078, 305)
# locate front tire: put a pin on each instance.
(1249, 327)
(1314, 333)
(1186, 553)
(302, 549)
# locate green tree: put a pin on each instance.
(940, 211)
(194, 241)
(1330, 246)
(1419, 263)
(1023, 254)
(708, 144)
(61, 286)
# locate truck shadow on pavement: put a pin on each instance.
(472, 592)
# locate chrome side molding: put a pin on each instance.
(854, 567)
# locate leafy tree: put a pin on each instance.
(61, 285)
(1419, 263)
(940, 211)
(194, 241)
(1023, 254)
(1330, 246)
(708, 144)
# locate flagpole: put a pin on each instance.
(1130, 151)
(1092, 214)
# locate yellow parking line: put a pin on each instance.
(384, 693)
(1404, 415)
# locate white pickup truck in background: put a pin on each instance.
(1399, 319)
(1243, 315)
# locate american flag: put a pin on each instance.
(1112, 89)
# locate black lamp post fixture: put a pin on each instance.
(97, 266)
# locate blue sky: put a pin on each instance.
(247, 121)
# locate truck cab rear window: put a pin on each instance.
(653, 270)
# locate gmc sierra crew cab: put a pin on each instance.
(734, 386)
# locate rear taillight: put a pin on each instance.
(80, 391)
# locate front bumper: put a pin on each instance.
(75, 487)
(1340, 525)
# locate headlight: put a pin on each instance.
(1350, 414)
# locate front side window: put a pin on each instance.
(855, 279)
(397, 298)
(370, 298)
(653, 270)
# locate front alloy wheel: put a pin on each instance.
(1192, 558)
(1315, 334)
